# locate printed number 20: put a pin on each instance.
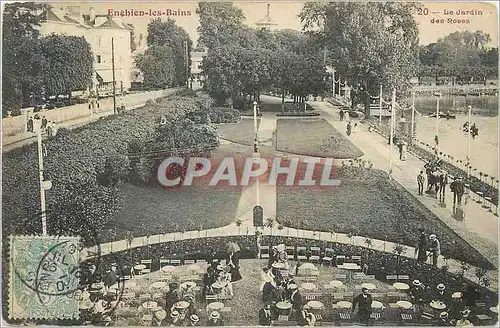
(422, 11)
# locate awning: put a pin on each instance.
(104, 76)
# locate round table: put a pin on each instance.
(167, 268)
(158, 285)
(283, 307)
(215, 306)
(404, 304)
(130, 284)
(278, 265)
(139, 267)
(97, 285)
(315, 305)
(308, 286)
(219, 285)
(401, 286)
(369, 286)
(307, 266)
(377, 305)
(149, 305)
(344, 304)
(494, 309)
(336, 283)
(350, 266)
(437, 305)
(182, 305)
(456, 295)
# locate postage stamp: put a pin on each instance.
(43, 277)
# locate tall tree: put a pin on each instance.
(167, 33)
(372, 43)
(220, 23)
(157, 65)
(22, 61)
(70, 64)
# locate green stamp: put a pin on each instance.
(44, 276)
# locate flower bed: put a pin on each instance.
(241, 132)
(300, 114)
(393, 214)
(313, 137)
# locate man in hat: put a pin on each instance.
(435, 248)
(444, 320)
(420, 182)
(421, 248)
(458, 189)
(269, 292)
(265, 315)
(417, 292)
(158, 317)
(441, 294)
(364, 303)
(296, 299)
(193, 320)
(215, 320)
(172, 296)
(175, 319)
(464, 320)
(443, 182)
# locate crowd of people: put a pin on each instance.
(428, 247)
(36, 124)
(438, 180)
(473, 130)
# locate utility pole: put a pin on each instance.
(42, 190)
(412, 117)
(468, 142)
(380, 106)
(391, 135)
(187, 64)
(256, 153)
(114, 79)
(438, 95)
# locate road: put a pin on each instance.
(130, 101)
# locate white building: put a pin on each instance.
(98, 30)
(267, 22)
(196, 60)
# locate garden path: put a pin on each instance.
(479, 228)
(267, 128)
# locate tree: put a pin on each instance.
(70, 64)
(371, 43)
(167, 33)
(22, 61)
(220, 23)
(157, 65)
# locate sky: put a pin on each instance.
(285, 13)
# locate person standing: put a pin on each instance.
(30, 124)
(458, 188)
(403, 151)
(234, 263)
(349, 129)
(435, 248)
(400, 148)
(364, 303)
(341, 114)
(443, 182)
(420, 182)
(421, 249)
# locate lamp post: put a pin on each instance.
(468, 142)
(391, 135)
(44, 184)
(438, 95)
(256, 153)
(412, 117)
(380, 107)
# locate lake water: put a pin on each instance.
(481, 105)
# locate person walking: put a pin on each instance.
(349, 129)
(364, 303)
(458, 188)
(420, 182)
(421, 249)
(341, 114)
(443, 182)
(30, 124)
(400, 147)
(435, 248)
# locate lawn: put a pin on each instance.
(241, 133)
(370, 206)
(313, 137)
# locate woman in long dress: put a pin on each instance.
(234, 263)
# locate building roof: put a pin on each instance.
(266, 21)
(56, 15)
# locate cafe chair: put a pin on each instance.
(201, 262)
(264, 252)
(301, 253)
(175, 262)
(356, 259)
(339, 276)
(282, 318)
(375, 316)
(148, 264)
(339, 260)
(189, 262)
(345, 316)
(315, 254)
(164, 262)
(328, 258)
(290, 252)
(403, 278)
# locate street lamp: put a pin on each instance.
(468, 142)
(438, 95)
(44, 184)
(255, 141)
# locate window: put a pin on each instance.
(98, 59)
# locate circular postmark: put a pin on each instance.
(65, 270)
